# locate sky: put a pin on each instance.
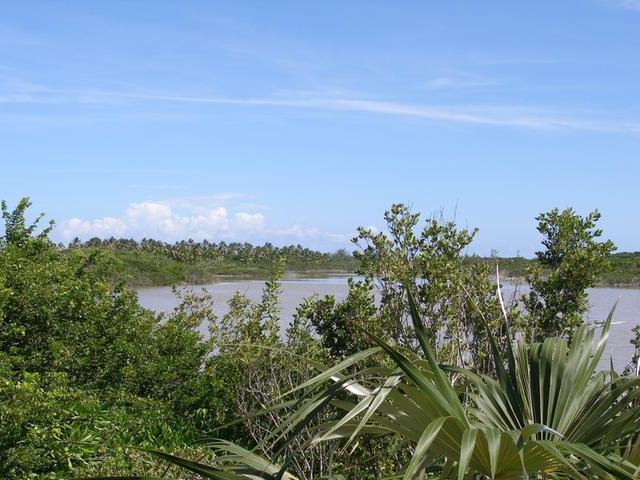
(297, 122)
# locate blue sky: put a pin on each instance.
(299, 121)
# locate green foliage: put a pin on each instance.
(16, 230)
(454, 297)
(624, 268)
(86, 373)
(634, 364)
(233, 463)
(546, 414)
(84, 369)
(60, 315)
(341, 325)
(151, 262)
(256, 365)
(49, 427)
(572, 261)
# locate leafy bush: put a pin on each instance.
(84, 369)
(453, 296)
(572, 261)
(49, 428)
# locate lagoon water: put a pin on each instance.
(295, 289)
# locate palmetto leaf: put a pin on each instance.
(548, 412)
(134, 477)
(232, 463)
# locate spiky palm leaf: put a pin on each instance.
(548, 413)
(232, 463)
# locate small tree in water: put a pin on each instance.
(572, 261)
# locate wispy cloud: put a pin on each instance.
(459, 80)
(205, 201)
(626, 4)
(488, 115)
(445, 83)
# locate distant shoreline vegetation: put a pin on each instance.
(625, 269)
(150, 262)
(154, 263)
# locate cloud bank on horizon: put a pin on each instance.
(191, 218)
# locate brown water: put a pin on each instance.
(294, 290)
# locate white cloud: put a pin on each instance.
(249, 221)
(179, 219)
(161, 220)
(99, 227)
(298, 232)
(147, 211)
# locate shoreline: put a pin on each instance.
(222, 277)
(293, 275)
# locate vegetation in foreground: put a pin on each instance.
(546, 413)
(425, 381)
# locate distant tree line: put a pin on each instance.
(193, 251)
